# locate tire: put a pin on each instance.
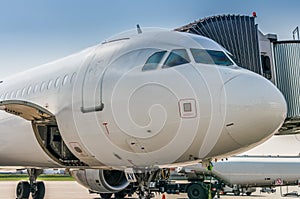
(213, 194)
(236, 192)
(248, 193)
(40, 193)
(120, 195)
(23, 190)
(196, 191)
(106, 195)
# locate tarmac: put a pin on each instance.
(72, 190)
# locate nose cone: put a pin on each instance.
(255, 108)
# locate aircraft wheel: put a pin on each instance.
(248, 193)
(236, 192)
(196, 191)
(23, 190)
(106, 195)
(120, 195)
(40, 191)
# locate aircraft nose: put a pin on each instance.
(255, 108)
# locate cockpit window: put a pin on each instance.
(211, 57)
(177, 57)
(153, 61)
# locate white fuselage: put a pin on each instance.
(253, 171)
(109, 111)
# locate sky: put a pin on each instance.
(34, 32)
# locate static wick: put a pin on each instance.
(139, 30)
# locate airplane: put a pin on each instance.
(244, 172)
(134, 104)
(276, 162)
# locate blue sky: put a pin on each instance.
(33, 32)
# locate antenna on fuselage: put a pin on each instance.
(139, 30)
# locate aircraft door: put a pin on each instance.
(45, 128)
(96, 66)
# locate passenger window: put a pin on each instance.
(65, 80)
(57, 81)
(177, 57)
(43, 86)
(29, 90)
(12, 95)
(23, 92)
(211, 57)
(153, 61)
(49, 84)
(36, 87)
(18, 93)
(73, 77)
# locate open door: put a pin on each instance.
(27, 110)
(45, 129)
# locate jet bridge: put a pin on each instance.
(287, 66)
(278, 61)
(236, 33)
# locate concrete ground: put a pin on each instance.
(72, 190)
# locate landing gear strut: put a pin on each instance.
(144, 180)
(37, 189)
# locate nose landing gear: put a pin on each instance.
(37, 189)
